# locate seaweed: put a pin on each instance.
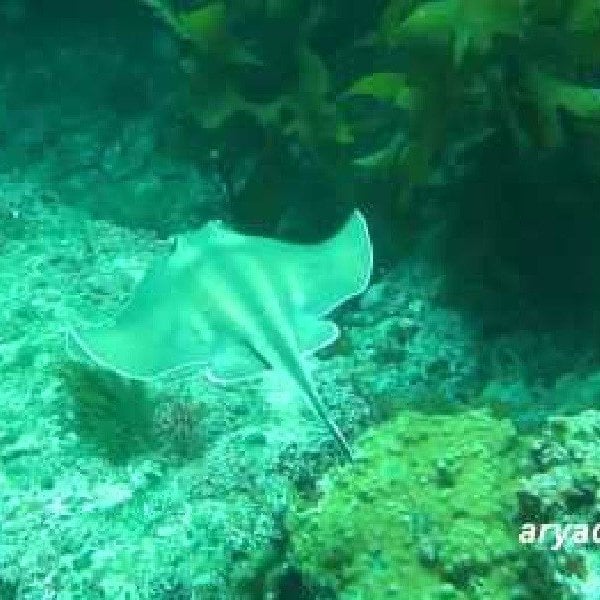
(461, 71)
(501, 65)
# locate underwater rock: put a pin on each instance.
(563, 487)
(564, 477)
(426, 512)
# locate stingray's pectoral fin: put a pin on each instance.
(104, 348)
(313, 333)
(133, 354)
(234, 364)
(78, 348)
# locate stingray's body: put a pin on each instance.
(235, 305)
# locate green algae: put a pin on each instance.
(426, 512)
(112, 414)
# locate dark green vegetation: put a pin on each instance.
(446, 76)
(113, 414)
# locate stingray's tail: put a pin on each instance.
(331, 425)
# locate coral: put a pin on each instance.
(424, 513)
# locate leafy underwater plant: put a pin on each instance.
(462, 72)
(221, 62)
(484, 66)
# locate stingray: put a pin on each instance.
(233, 306)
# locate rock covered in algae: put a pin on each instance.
(426, 512)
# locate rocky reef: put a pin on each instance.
(426, 512)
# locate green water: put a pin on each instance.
(217, 217)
